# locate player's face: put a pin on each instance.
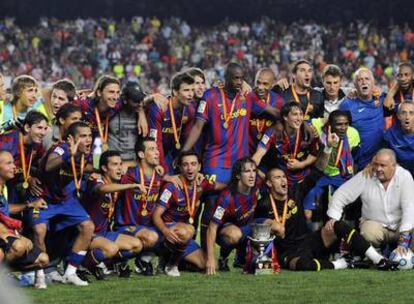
(152, 154)
(340, 126)
(190, 167)
(28, 96)
(85, 137)
(7, 166)
(199, 86)
(37, 131)
(278, 182)
(236, 79)
(364, 84)
(58, 99)
(264, 83)
(110, 94)
(303, 75)
(332, 84)
(248, 175)
(295, 118)
(405, 77)
(406, 117)
(113, 169)
(73, 117)
(185, 94)
(384, 167)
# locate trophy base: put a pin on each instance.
(266, 271)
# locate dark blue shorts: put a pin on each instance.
(191, 246)
(110, 235)
(246, 231)
(62, 215)
(132, 230)
(222, 175)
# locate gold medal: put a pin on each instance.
(105, 147)
(26, 185)
(178, 146)
(225, 125)
(191, 220)
(144, 212)
(259, 136)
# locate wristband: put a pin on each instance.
(327, 150)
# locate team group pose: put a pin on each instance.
(113, 177)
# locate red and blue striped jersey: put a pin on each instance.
(260, 123)
(59, 185)
(225, 146)
(88, 106)
(173, 200)
(235, 208)
(4, 205)
(99, 206)
(10, 142)
(160, 128)
(280, 148)
(130, 209)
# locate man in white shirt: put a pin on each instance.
(387, 201)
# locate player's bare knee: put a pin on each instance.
(19, 247)
(110, 250)
(42, 260)
(136, 245)
(148, 238)
(234, 236)
(86, 229)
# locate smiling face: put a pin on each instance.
(190, 167)
(185, 93)
(151, 154)
(264, 83)
(294, 119)
(199, 86)
(384, 167)
(303, 76)
(37, 131)
(28, 96)
(406, 117)
(110, 94)
(340, 126)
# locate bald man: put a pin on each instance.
(264, 82)
(367, 116)
(387, 201)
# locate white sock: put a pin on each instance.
(373, 255)
(40, 273)
(340, 264)
(146, 258)
(70, 270)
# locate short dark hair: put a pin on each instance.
(66, 110)
(34, 117)
(338, 113)
(406, 64)
(231, 67)
(179, 79)
(332, 70)
(299, 62)
(187, 153)
(269, 172)
(193, 72)
(236, 170)
(104, 159)
(287, 107)
(139, 144)
(67, 86)
(73, 128)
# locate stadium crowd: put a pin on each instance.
(95, 172)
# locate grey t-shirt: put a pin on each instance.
(123, 133)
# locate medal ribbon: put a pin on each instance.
(261, 123)
(103, 134)
(285, 209)
(297, 144)
(339, 152)
(77, 180)
(174, 126)
(113, 198)
(227, 116)
(142, 178)
(25, 171)
(191, 205)
(296, 97)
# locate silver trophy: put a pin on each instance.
(260, 238)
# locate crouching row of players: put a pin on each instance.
(119, 217)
